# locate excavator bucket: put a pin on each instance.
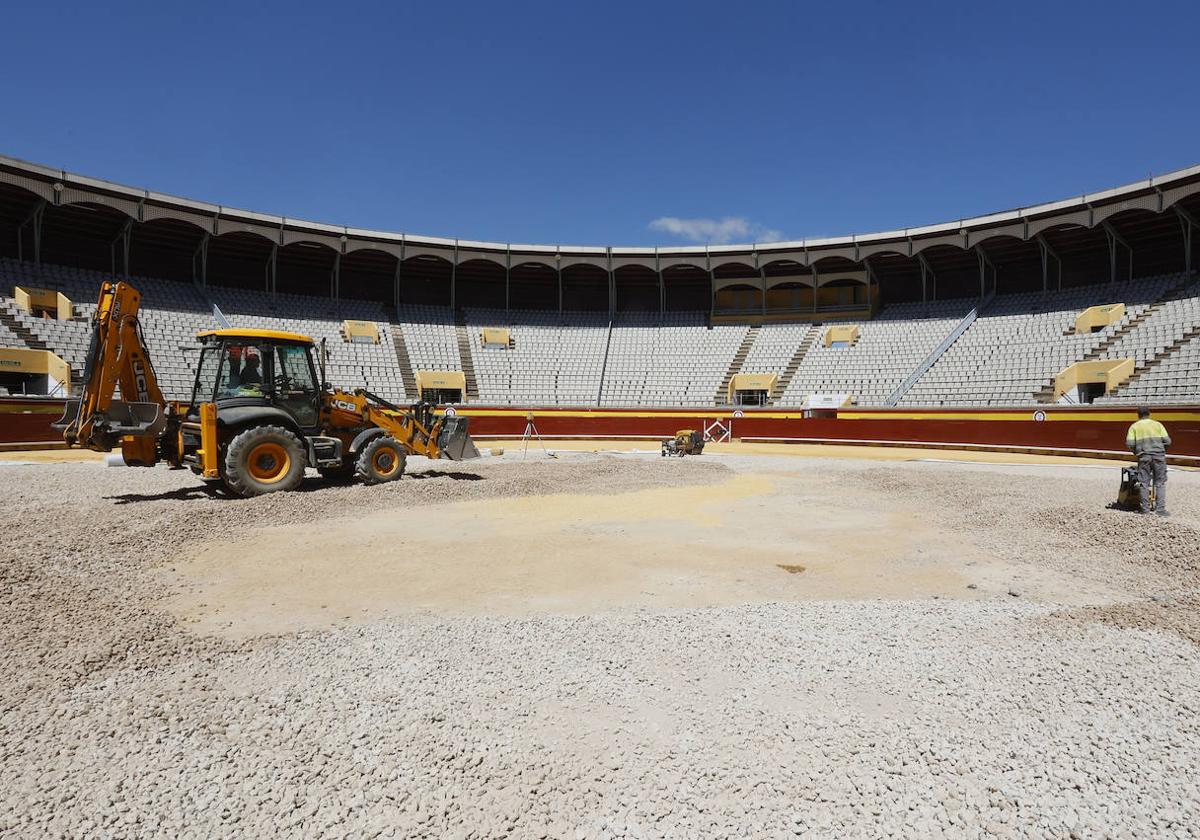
(454, 442)
(122, 418)
(70, 415)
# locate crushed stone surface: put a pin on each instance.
(997, 716)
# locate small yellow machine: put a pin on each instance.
(258, 415)
(1129, 495)
(685, 442)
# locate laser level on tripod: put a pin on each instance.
(531, 431)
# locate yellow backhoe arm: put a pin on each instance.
(117, 356)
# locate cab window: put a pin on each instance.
(242, 372)
(206, 374)
(294, 383)
(294, 374)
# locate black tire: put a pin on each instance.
(381, 460)
(264, 459)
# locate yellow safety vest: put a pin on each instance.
(1148, 437)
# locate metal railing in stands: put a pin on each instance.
(960, 328)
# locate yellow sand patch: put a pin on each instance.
(693, 546)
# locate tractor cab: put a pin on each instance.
(245, 370)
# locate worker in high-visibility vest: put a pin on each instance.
(1148, 440)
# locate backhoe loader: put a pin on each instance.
(258, 415)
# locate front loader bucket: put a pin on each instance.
(453, 441)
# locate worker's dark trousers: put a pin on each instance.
(1153, 468)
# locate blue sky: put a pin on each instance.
(607, 123)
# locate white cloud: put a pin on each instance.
(716, 231)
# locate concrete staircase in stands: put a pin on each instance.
(1156, 360)
(1045, 394)
(465, 356)
(20, 330)
(735, 366)
(793, 364)
(406, 369)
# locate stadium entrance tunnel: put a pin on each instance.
(44, 303)
(33, 372)
(1096, 318)
(442, 387)
(751, 388)
(1084, 382)
(442, 396)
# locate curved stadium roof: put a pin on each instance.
(1157, 195)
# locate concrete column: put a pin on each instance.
(127, 238)
(204, 258)
(454, 279)
(612, 288)
(558, 271)
(1186, 222)
(1112, 256)
(762, 282)
(662, 291)
(985, 263)
(399, 280)
(38, 215)
(196, 257)
(122, 239)
(927, 272)
(1045, 267)
(1047, 253)
(396, 288)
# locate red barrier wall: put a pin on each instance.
(1067, 430)
(28, 419)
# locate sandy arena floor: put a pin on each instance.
(601, 645)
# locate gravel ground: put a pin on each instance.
(1003, 716)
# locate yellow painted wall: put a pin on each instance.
(748, 299)
(494, 337)
(840, 332)
(1111, 372)
(751, 382)
(797, 303)
(792, 317)
(1096, 317)
(29, 298)
(441, 379)
(352, 330)
(20, 360)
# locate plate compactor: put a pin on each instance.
(1129, 496)
(685, 442)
